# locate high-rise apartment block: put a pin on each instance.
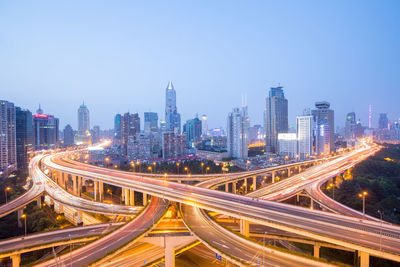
(204, 125)
(287, 144)
(237, 130)
(173, 145)
(276, 117)
(8, 150)
(350, 126)
(68, 135)
(193, 131)
(24, 136)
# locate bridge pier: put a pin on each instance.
(144, 199)
(126, 196)
(79, 221)
(316, 250)
(79, 185)
(245, 227)
(254, 183)
(16, 260)
(95, 189)
(74, 185)
(234, 187)
(273, 177)
(19, 214)
(245, 185)
(101, 191)
(227, 187)
(131, 197)
(364, 259)
(39, 201)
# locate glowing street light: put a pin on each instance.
(23, 216)
(150, 169)
(202, 168)
(5, 192)
(207, 169)
(362, 195)
(177, 167)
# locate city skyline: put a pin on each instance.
(346, 66)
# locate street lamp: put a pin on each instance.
(5, 192)
(23, 216)
(138, 163)
(186, 170)
(333, 190)
(202, 168)
(363, 194)
(177, 167)
(155, 167)
(207, 169)
(150, 169)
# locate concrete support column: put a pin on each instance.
(16, 260)
(60, 208)
(144, 199)
(298, 197)
(126, 194)
(131, 197)
(244, 227)
(254, 183)
(312, 204)
(227, 187)
(245, 185)
(39, 201)
(364, 259)
(75, 185)
(79, 218)
(79, 185)
(234, 187)
(19, 214)
(273, 177)
(101, 191)
(288, 172)
(169, 254)
(96, 190)
(316, 250)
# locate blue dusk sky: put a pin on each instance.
(118, 56)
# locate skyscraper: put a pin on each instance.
(350, 126)
(305, 137)
(324, 128)
(276, 117)
(45, 128)
(83, 120)
(383, 121)
(204, 125)
(68, 135)
(172, 117)
(8, 149)
(150, 122)
(130, 126)
(193, 130)
(117, 128)
(24, 136)
(237, 129)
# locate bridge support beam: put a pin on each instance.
(144, 199)
(234, 187)
(39, 201)
(79, 221)
(101, 192)
(79, 185)
(245, 185)
(254, 183)
(273, 177)
(95, 190)
(245, 228)
(16, 260)
(74, 185)
(131, 197)
(126, 196)
(227, 187)
(19, 214)
(316, 250)
(364, 259)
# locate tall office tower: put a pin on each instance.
(324, 128)
(173, 145)
(163, 126)
(383, 121)
(95, 132)
(8, 148)
(150, 122)
(204, 125)
(24, 136)
(276, 117)
(350, 126)
(45, 128)
(172, 117)
(193, 130)
(238, 128)
(83, 120)
(68, 135)
(129, 127)
(305, 137)
(117, 128)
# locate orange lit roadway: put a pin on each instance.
(366, 236)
